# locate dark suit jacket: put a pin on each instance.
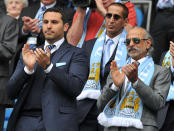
(61, 87)
(8, 43)
(85, 106)
(31, 11)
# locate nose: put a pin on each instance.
(13, 4)
(49, 25)
(112, 18)
(131, 43)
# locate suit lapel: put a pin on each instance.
(63, 49)
(34, 10)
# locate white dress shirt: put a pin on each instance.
(112, 48)
(58, 44)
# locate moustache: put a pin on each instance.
(133, 48)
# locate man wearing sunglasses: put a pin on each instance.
(89, 23)
(101, 51)
(140, 88)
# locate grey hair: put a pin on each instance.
(25, 2)
(147, 36)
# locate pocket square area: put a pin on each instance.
(60, 64)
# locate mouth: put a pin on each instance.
(110, 26)
(132, 50)
(49, 32)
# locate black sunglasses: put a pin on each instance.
(135, 41)
(116, 17)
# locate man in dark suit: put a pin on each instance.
(30, 22)
(47, 81)
(116, 19)
(8, 42)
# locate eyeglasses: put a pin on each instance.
(116, 17)
(135, 41)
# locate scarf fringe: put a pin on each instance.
(119, 121)
(92, 94)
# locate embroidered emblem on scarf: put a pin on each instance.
(167, 62)
(92, 87)
(127, 111)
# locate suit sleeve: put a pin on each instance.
(107, 94)
(72, 81)
(155, 97)
(17, 81)
(8, 43)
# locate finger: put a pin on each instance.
(135, 64)
(48, 51)
(172, 43)
(38, 51)
(37, 55)
(113, 66)
(127, 70)
(42, 51)
(35, 29)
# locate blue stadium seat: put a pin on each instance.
(140, 16)
(8, 112)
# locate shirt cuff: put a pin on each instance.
(134, 85)
(114, 87)
(27, 71)
(24, 32)
(49, 68)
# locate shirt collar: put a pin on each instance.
(48, 6)
(115, 39)
(140, 60)
(57, 43)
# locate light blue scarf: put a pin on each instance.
(85, 29)
(92, 87)
(167, 62)
(127, 112)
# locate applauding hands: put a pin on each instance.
(30, 57)
(130, 70)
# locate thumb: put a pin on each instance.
(48, 51)
(136, 64)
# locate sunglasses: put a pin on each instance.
(135, 41)
(115, 16)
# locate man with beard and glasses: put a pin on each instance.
(140, 88)
(101, 51)
(47, 81)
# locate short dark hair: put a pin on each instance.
(125, 9)
(57, 10)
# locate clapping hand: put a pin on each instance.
(30, 25)
(42, 57)
(29, 57)
(171, 48)
(117, 76)
(172, 51)
(131, 71)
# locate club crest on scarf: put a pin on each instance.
(167, 62)
(92, 88)
(127, 110)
